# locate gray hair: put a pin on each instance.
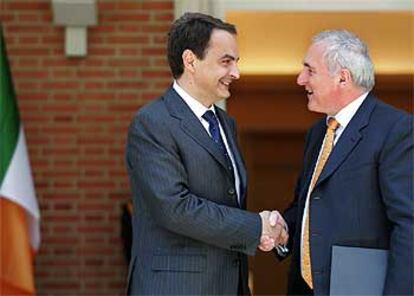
(345, 50)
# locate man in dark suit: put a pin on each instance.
(360, 193)
(191, 232)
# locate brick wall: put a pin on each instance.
(76, 112)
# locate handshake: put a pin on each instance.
(274, 232)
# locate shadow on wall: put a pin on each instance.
(126, 229)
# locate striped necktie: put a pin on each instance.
(214, 128)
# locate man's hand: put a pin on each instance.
(274, 230)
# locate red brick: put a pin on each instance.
(28, 108)
(61, 130)
(130, 5)
(29, 51)
(102, 28)
(33, 96)
(129, 73)
(25, 5)
(95, 74)
(97, 39)
(27, 29)
(159, 39)
(106, 5)
(63, 206)
(96, 96)
(57, 85)
(76, 113)
(61, 196)
(131, 96)
(62, 96)
(33, 40)
(63, 285)
(28, 17)
(165, 16)
(96, 118)
(63, 118)
(58, 218)
(60, 62)
(6, 17)
(94, 206)
(105, 51)
(153, 5)
(154, 51)
(156, 74)
(28, 62)
(64, 185)
(127, 39)
(93, 84)
(133, 52)
(128, 62)
(127, 84)
(47, 17)
(93, 173)
(63, 74)
(159, 28)
(121, 17)
(30, 74)
(96, 163)
(61, 151)
(131, 28)
(58, 39)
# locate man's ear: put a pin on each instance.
(189, 59)
(345, 77)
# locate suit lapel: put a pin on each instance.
(349, 138)
(315, 143)
(191, 125)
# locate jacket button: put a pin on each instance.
(231, 191)
(236, 262)
(316, 198)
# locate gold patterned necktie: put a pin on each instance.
(326, 150)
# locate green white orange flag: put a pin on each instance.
(19, 211)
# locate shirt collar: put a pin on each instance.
(345, 115)
(195, 106)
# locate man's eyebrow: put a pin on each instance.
(229, 56)
(308, 66)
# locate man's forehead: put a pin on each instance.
(314, 53)
(224, 50)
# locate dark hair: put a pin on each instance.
(192, 31)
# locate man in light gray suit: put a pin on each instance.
(191, 232)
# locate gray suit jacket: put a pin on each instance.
(190, 236)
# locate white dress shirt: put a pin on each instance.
(199, 110)
(343, 117)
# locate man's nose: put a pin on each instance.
(235, 72)
(301, 79)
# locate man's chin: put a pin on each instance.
(225, 95)
(313, 108)
(221, 97)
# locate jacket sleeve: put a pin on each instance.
(395, 173)
(153, 159)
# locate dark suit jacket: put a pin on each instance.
(364, 196)
(190, 234)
